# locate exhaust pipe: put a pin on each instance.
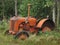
(15, 7)
(29, 10)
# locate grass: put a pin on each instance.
(48, 38)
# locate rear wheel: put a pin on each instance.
(46, 29)
(22, 35)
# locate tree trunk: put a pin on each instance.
(54, 13)
(58, 13)
(3, 10)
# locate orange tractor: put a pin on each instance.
(22, 26)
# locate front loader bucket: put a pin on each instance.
(46, 25)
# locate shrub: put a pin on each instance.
(4, 25)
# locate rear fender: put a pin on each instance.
(40, 23)
(46, 24)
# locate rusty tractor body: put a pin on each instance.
(20, 26)
(20, 23)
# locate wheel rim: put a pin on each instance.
(23, 37)
(46, 29)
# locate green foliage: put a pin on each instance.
(9, 8)
(1, 9)
(39, 8)
(4, 25)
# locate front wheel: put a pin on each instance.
(22, 35)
